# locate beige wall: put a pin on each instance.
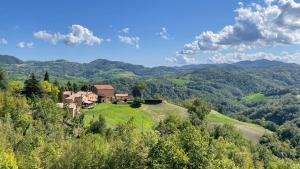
(122, 97)
(105, 92)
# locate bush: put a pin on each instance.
(98, 126)
(136, 103)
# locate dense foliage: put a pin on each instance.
(36, 134)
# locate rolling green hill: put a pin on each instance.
(235, 89)
(250, 131)
(147, 116)
(6, 59)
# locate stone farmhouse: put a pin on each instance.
(82, 99)
(105, 93)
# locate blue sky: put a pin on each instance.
(159, 32)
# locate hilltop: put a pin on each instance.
(6, 59)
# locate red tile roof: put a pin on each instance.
(101, 87)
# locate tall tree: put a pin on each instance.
(60, 96)
(74, 87)
(3, 81)
(56, 83)
(84, 88)
(138, 90)
(46, 77)
(69, 86)
(32, 87)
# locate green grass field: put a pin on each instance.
(161, 111)
(118, 114)
(147, 116)
(250, 131)
(255, 97)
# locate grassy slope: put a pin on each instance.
(161, 111)
(149, 115)
(250, 131)
(144, 118)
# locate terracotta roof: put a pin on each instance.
(99, 87)
(122, 94)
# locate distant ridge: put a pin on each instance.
(6, 59)
(104, 63)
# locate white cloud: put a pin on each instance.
(3, 41)
(133, 40)
(276, 22)
(182, 59)
(78, 35)
(126, 30)
(25, 45)
(164, 33)
(44, 35)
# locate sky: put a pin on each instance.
(151, 32)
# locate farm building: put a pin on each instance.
(121, 97)
(105, 93)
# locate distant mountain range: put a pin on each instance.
(102, 69)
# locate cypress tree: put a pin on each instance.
(46, 77)
(32, 87)
(3, 82)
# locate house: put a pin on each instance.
(88, 98)
(74, 98)
(67, 94)
(105, 93)
(72, 108)
(121, 97)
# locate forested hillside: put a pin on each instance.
(261, 92)
(225, 86)
(6, 59)
(36, 133)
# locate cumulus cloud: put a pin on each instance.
(25, 45)
(78, 35)
(125, 30)
(276, 22)
(3, 41)
(164, 33)
(182, 59)
(130, 40)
